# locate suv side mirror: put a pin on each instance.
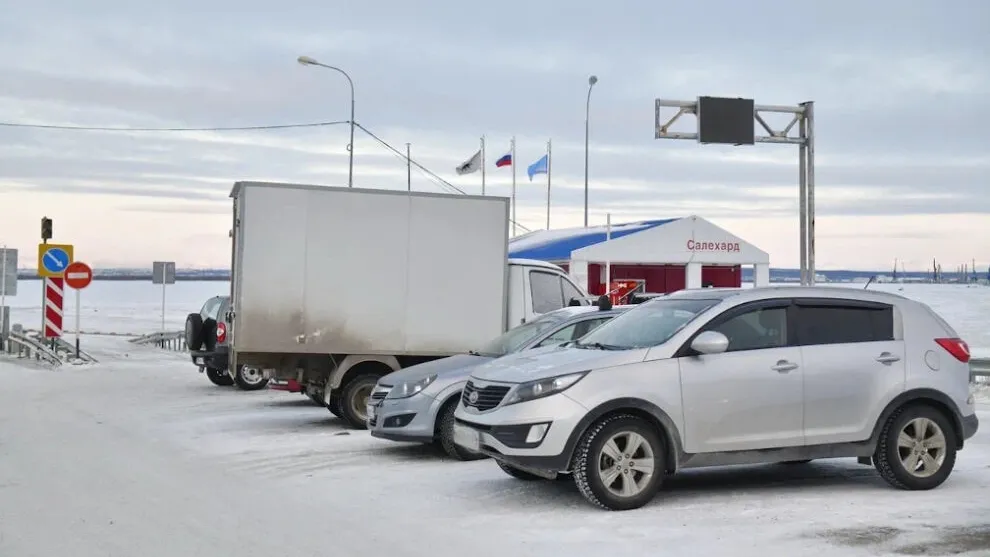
(710, 342)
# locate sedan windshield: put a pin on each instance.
(517, 337)
(650, 324)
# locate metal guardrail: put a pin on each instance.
(166, 340)
(22, 346)
(979, 368)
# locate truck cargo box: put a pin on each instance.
(336, 270)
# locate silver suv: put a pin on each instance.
(715, 377)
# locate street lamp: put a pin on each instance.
(307, 61)
(587, 115)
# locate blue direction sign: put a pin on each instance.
(53, 259)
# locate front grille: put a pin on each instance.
(380, 392)
(488, 397)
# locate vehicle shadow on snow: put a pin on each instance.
(292, 403)
(696, 484)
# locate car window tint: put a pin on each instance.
(545, 288)
(839, 325)
(755, 330)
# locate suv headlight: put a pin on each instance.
(408, 389)
(544, 387)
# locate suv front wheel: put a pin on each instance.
(619, 463)
(917, 448)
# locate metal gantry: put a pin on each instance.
(803, 119)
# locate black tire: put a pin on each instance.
(194, 331)
(888, 456)
(247, 380)
(209, 334)
(334, 405)
(317, 399)
(445, 434)
(219, 377)
(517, 473)
(354, 396)
(589, 455)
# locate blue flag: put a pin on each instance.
(538, 167)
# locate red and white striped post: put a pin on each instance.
(54, 295)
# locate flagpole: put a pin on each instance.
(549, 167)
(482, 165)
(512, 150)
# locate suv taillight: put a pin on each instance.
(221, 332)
(955, 346)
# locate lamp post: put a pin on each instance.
(307, 61)
(587, 116)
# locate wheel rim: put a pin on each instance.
(625, 464)
(921, 447)
(251, 375)
(359, 401)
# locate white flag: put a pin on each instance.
(471, 165)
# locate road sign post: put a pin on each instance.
(78, 275)
(53, 312)
(163, 273)
(53, 259)
(8, 285)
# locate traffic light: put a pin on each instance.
(46, 228)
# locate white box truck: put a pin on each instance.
(332, 287)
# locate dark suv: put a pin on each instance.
(208, 339)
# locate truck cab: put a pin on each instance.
(537, 287)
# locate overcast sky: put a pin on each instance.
(901, 92)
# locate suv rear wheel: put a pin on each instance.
(619, 463)
(917, 448)
(219, 377)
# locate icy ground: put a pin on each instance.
(140, 456)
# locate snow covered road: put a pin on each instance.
(141, 456)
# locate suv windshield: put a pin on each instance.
(513, 339)
(650, 324)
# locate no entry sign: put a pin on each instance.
(78, 275)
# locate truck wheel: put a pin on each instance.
(194, 331)
(445, 434)
(334, 405)
(619, 463)
(219, 377)
(317, 399)
(917, 449)
(250, 378)
(354, 397)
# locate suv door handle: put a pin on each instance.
(887, 358)
(784, 366)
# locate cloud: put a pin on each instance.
(897, 89)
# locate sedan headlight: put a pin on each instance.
(408, 389)
(544, 387)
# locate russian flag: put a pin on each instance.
(506, 160)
